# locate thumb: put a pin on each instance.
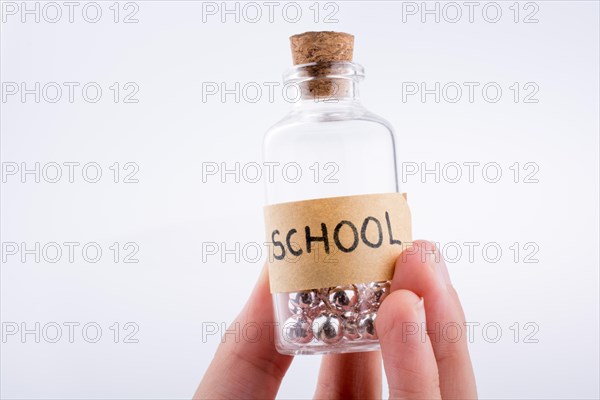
(408, 357)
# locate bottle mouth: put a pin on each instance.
(324, 70)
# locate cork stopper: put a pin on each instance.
(309, 47)
(323, 49)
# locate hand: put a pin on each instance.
(418, 365)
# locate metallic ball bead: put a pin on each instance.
(297, 329)
(328, 328)
(366, 326)
(362, 288)
(300, 301)
(342, 298)
(350, 325)
(379, 291)
(317, 309)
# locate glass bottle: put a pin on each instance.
(340, 149)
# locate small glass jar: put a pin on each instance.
(344, 150)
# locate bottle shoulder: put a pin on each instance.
(329, 118)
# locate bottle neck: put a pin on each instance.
(328, 91)
(326, 85)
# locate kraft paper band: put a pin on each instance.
(335, 241)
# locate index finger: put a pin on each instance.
(244, 369)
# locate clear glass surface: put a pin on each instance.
(343, 150)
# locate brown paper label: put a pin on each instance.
(335, 241)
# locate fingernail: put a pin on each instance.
(421, 319)
(420, 307)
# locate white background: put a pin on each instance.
(170, 293)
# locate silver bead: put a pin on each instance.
(328, 328)
(350, 325)
(342, 298)
(300, 301)
(362, 288)
(378, 292)
(317, 309)
(366, 326)
(297, 329)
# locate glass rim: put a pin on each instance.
(335, 70)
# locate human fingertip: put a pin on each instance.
(401, 306)
(408, 357)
